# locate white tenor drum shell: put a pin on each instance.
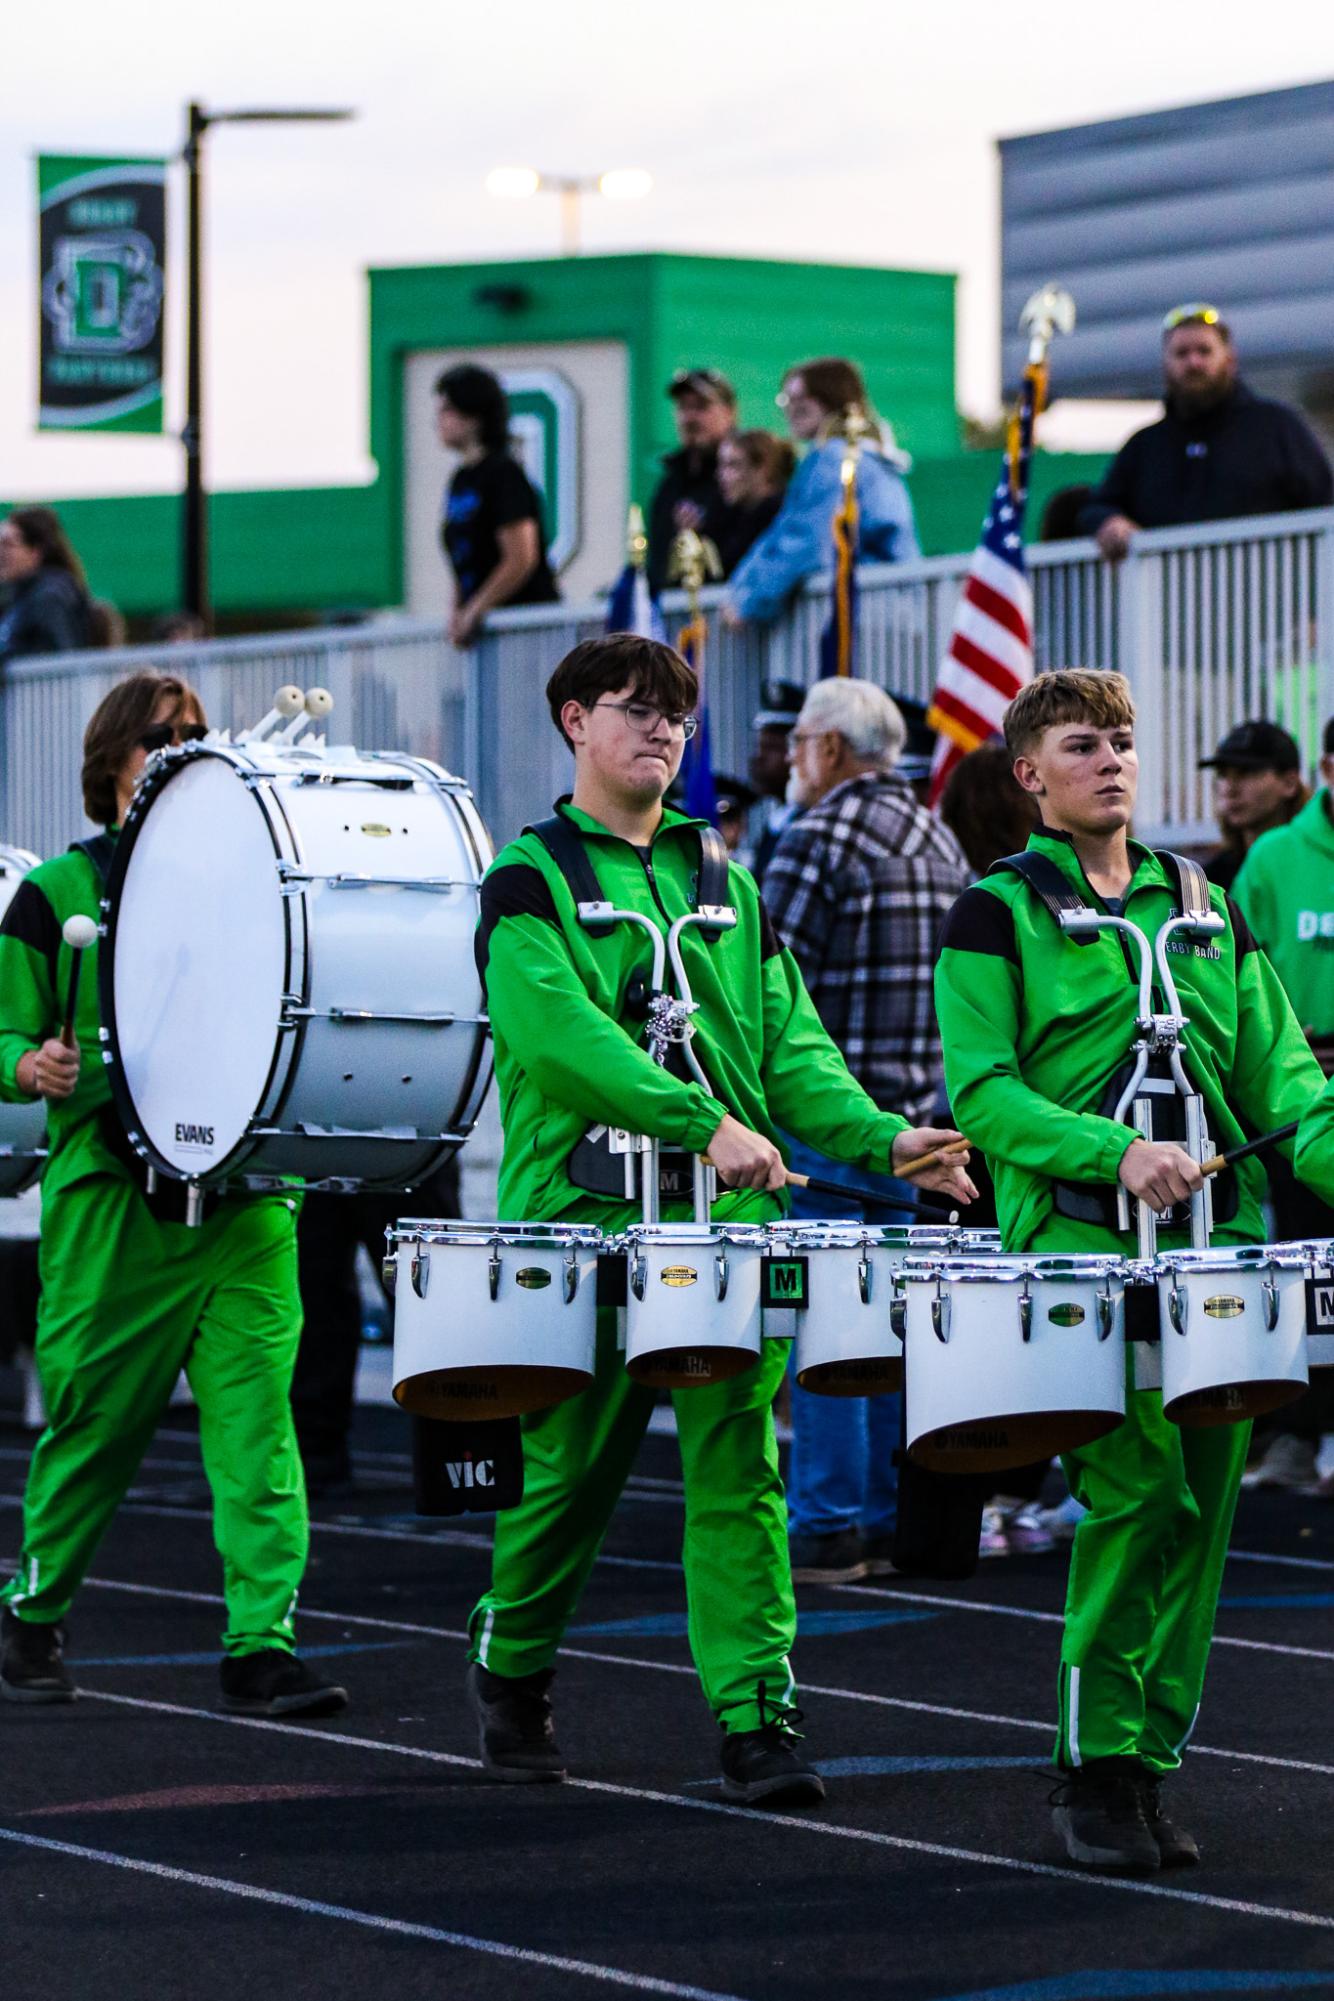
(692, 1302)
(1233, 1331)
(492, 1319)
(981, 1397)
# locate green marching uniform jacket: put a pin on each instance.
(569, 1039)
(1286, 889)
(1035, 1026)
(1313, 1153)
(34, 979)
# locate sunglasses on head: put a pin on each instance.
(160, 736)
(1181, 316)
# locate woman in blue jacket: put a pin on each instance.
(800, 541)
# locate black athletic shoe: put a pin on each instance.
(515, 1732)
(32, 1668)
(837, 1558)
(1176, 1848)
(275, 1683)
(1098, 1812)
(878, 1551)
(764, 1767)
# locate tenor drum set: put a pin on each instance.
(289, 997)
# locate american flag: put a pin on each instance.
(990, 654)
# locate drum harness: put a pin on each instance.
(1155, 1079)
(608, 1159)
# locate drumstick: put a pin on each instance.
(955, 1149)
(1218, 1161)
(869, 1197)
(78, 933)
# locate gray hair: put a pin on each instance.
(870, 723)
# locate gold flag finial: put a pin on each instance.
(693, 563)
(636, 541)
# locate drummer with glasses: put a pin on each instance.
(567, 1008)
(131, 1296)
(1037, 1029)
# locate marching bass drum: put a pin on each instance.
(287, 978)
(22, 1127)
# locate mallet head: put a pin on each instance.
(79, 932)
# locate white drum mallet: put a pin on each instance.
(287, 703)
(78, 933)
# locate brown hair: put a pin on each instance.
(651, 671)
(41, 529)
(118, 721)
(774, 458)
(833, 382)
(1071, 695)
(986, 808)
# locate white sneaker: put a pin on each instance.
(1288, 1462)
(1061, 1521)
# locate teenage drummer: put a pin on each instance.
(567, 1010)
(1037, 1029)
(130, 1295)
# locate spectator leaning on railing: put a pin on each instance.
(800, 542)
(754, 468)
(48, 609)
(1217, 453)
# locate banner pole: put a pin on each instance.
(194, 519)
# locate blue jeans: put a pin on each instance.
(841, 1474)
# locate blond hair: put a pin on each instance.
(1071, 695)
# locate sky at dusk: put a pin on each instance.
(863, 133)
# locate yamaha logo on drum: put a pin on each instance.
(533, 1277)
(376, 828)
(1068, 1314)
(195, 1136)
(678, 1275)
(1224, 1306)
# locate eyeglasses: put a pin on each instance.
(1180, 316)
(785, 398)
(643, 718)
(159, 736)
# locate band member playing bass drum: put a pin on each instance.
(1036, 1028)
(130, 1295)
(567, 1008)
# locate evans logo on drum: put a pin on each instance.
(200, 1137)
(1225, 1306)
(678, 1275)
(532, 1278)
(1068, 1314)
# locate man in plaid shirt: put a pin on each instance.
(858, 887)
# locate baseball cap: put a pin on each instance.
(733, 795)
(1256, 746)
(710, 382)
(780, 705)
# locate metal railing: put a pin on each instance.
(1211, 625)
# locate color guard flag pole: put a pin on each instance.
(693, 562)
(632, 606)
(990, 654)
(838, 642)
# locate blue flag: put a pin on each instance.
(632, 606)
(701, 798)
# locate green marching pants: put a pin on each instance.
(127, 1302)
(1145, 1574)
(742, 1618)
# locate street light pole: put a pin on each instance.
(195, 591)
(194, 514)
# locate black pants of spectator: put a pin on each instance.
(1300, 1217)
(331, 1230)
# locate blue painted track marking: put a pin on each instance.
(672, 1625)
(212, 1659)
(1140, 1986)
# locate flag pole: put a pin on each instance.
(693, 561)
(636, 541)
(855, 426)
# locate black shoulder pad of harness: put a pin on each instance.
(564, 844)
(99, 849)
(1192, 884)
(1042, 875)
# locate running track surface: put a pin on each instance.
(151, 1847)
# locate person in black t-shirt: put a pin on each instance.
(492, 526)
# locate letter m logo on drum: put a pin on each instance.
(784, 1282)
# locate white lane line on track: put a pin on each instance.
(459, 1539)
(418, 1631)
(371, 1920)
(940, 1851)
